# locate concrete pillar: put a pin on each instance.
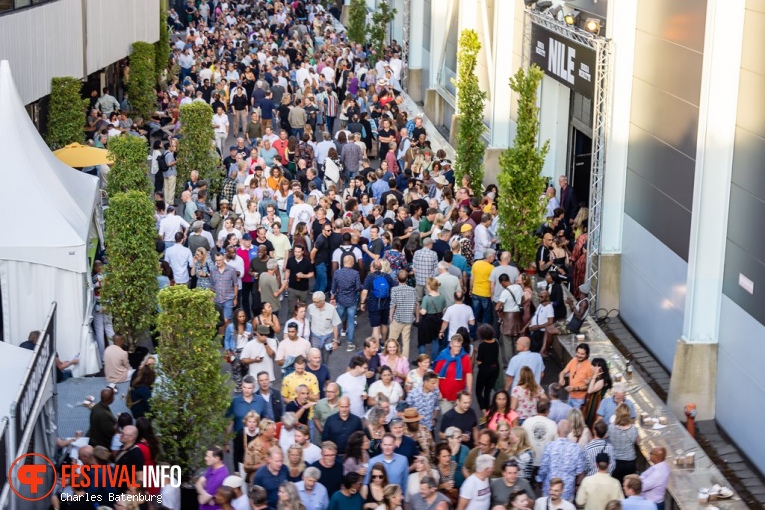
(622, 19)
(695, 366)
(502, 126)
(416, 43)
(554, 100)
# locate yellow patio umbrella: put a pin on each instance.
(77, 155)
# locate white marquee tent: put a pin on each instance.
(49, 218)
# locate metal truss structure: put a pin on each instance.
(601, 116)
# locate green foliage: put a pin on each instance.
(162, 46)
(130, 284)
(470, 105)
(195, 144)
(143, 98)
(357, 21)
(194, 394)
(66, 113)
(520, 182)
(378, 31)
(130, 170)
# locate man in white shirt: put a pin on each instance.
(475, 493)
(504, 267)
(457, 316)
(541, 430)
(299, 212)
(237, 262)
(220, 123)
(396, 64)
(322, 149)
(448, 283)
(509, 302)
(258, 354)
(171, 225)
(180, 258)
(354, 383)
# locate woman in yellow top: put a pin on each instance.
(274, 178)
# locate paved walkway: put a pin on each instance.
(732, 462)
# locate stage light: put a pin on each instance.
(529, 3)
(544, 5)
(592, 25)
(556, 12)
(573, 18)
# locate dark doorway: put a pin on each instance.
(580, 165)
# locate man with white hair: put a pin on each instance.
(608, 406)
(475, 493)
(448, 283)
(312, 494)
(324, 319)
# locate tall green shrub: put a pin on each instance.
(357, 21)
(66, 113)
(520, 182)
(162, 48)
(143, 98)
(130, 169)
(130, 284)
(195, 144)
(189, 407)
(470, 105)
(378, 31)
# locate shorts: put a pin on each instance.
(228, 309)
(379, 318)
(419, 292)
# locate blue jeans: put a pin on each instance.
(321, 342)
(168, 244)
(321, 277)
(576, 403)
(297, 133)
(434, 346)
(348, 314)
(482, 309)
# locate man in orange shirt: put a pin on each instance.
(579, 372)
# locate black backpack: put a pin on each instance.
(162, 163)
(344, 253)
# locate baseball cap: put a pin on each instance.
(247, 237)
(233, 481)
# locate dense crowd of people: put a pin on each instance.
(335, 207)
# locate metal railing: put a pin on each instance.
(38, 372)
(3, 454)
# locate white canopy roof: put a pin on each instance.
(47, 206)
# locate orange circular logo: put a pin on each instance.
(33, 477)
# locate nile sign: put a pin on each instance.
(568, 62)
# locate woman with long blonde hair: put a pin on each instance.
(288, 498)
(295, 463)
(579, 434)
(522, 451)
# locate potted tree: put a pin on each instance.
(470, 105)
(130, 284)
(195, 145)
(129, 171)
(520, 182)
(66, 113)
(192, 395)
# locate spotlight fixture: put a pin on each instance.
(556, 12)
(573, 18)
(592, 25)
(543, 5)
(529, 3)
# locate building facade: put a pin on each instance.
(680, 185)
(86, 39)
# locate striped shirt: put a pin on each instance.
(592, 450)
(330, 105)
(224, 284)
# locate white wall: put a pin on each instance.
(113, 25)
(741, 380)
(652, 293)
(41, 43)
(554, 100)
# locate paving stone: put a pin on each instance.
(727, 450)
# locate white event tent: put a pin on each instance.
(49, 220)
